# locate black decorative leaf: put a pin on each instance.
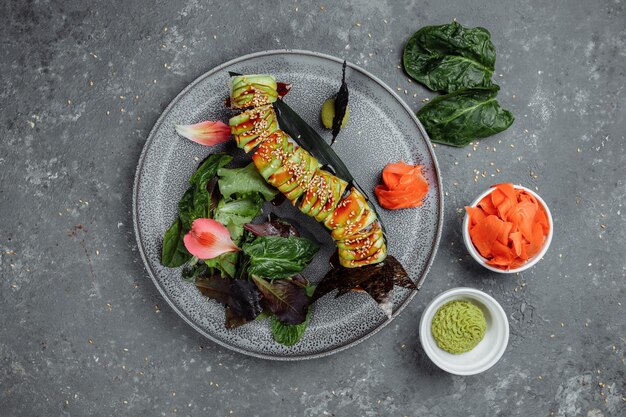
(400, 276)
(310, 140)
(341, 104)
(241, 296)
(285, 299)
(377, 280)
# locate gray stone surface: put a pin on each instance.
(84, 331)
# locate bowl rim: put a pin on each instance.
(489, 302)
(483, 261)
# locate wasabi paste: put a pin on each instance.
(458, 326)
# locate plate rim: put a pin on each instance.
(141, 162)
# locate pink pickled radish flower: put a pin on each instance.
(206, 133)
(208, 239)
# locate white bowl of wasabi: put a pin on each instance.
(486, 353)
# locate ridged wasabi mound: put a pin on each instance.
(458, 326)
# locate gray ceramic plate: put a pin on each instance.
(382, 129)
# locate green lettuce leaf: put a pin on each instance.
(278, 257)
(244, 181)
(234, 214)
(288, 334)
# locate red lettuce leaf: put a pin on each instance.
(287, 300)
(274, 227)
(241, 297)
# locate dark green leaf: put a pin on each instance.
(450, 57)
(241, 296)
(187, 210)
(461, 117)
(288, 334)
(174, 253)
(244, 181)
(278, 257)
(208, 168)
(199, 198)
(285, 299)
(263, 315)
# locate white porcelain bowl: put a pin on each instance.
(532, 261)
(486, 353)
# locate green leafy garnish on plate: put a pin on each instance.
(195, 204)
(279, 257)
(287, 300)
(244, 181)
(288, 334)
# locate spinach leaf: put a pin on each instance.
(458, 118)
(208, 168)
(200, 200)
(234, 214)
(195, 203)
(174, 253)
(244, 181)
(285, 299)
(450, 57)
(278, 257)
(241, 296)
(288, 334)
